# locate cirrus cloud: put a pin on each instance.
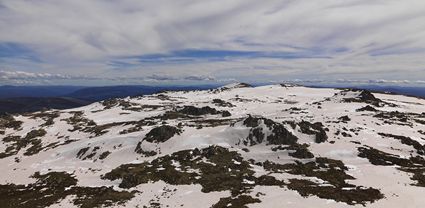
(244, 39)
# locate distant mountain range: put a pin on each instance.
(8, 91)
(31, 104)
(20, 99)
(401, 90)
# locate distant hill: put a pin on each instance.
(31, 104)
(8, 91)
(102, 93)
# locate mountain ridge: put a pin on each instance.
(226, 147)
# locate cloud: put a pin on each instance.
(173, 78)
(189, 78)
(20, 75)
(243, 39)
(29, 78)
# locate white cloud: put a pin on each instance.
(361, 39)
(173, 78)
(20, 75)
(29, 78)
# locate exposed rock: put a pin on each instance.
(218, 169)
(137, 126)
(16, 143)
(316, 129)
(236, 202)
(420, 121)
(420, 149)
(161, 134)
(35, 133)
(55, 186)
(82, 152)
(297, 150)
(8, 121)
(396, 117)
(140, 150)
(104, 155)
(344, 119)
(226, 114)
(413, 165)
(332, 172)
(200, 123)
(279, 134)
(47, 116)
(195, 111)
(289, 85)
(367, 108)
(365, 96)
(83, 156)
(222, 103)
(349, 195)
(79, 122)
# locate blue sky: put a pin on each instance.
(100, 42)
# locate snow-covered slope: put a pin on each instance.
(235, 146)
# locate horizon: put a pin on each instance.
(334, 84)
(106, 43)
(39, 91)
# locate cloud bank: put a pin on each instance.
(170, 41)
(21, 77)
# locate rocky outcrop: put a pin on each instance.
(413, 165)
(344, 119)
(222, 103)
(8, 121)
(365, 96)
(263, 129)
(52, 187)
(299, 151)
(420, 149)
(161, 134)
(157, 135)
(316, 129)
(367, 108)
(195, 111)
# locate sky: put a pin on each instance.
(186, 42)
